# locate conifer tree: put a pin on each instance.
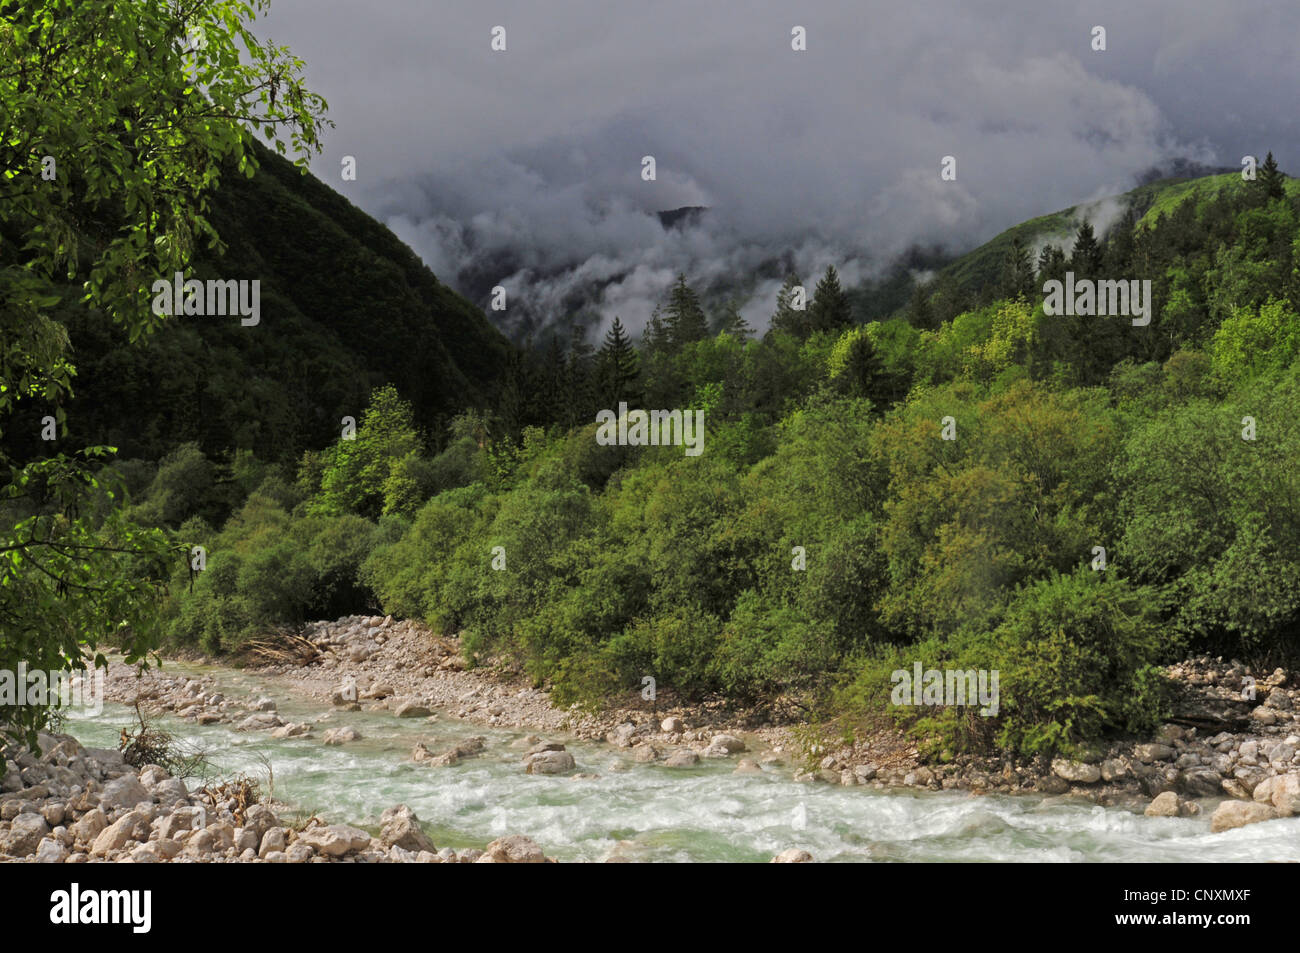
(1270, 179)
(577, 377)
(1017, 272)
(617, 368)
(731, 321)
(829, 309)
(786, 318)
(683, 316)
(919, 313)
(1085, 257)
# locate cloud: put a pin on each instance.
(523, 168)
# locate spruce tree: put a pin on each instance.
(1017, 272)
(829, 309)
(730, 321)
(617, 368)
(684, 317)
(786, 318)
(1085, 258)
(919, 313)
(654, 340)
(1270, 179)
(577, 377)
(1051, 264)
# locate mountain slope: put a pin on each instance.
(345, 306)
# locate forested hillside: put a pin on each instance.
(345, 307)
(829, 534)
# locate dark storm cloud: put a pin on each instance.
(523, 168)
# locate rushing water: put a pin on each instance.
(647, 812)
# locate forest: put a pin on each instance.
(829, 535)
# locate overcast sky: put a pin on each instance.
(533, 156)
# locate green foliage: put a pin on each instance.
(140, 107)
(267, 568)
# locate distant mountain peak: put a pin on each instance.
(681, 217)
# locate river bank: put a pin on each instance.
(1221, 745)
(383, 715)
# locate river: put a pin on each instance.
(647, 812)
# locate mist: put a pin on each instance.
(523, 168)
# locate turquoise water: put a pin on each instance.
(653, 813)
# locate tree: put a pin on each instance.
(919, 314)
(1051, 264)
(731, 321)
(577, 377)
(1017, 272)
(1270, 179)
(787, 318)
(617, 368)
(1086, 256)
(683, 316)
(119, 117)
(654, 340)
(830, 308)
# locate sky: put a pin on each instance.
(523, 168)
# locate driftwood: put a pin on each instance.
(283, 647)
(1211, 723)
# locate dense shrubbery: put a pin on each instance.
(829, 535)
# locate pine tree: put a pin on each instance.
(577, 377)
(1017, 272)
(1270, 179)
(730, 321)
(919, 314)
(1051, 264)
(1085, 258)
(1120, 243)
(654, 340)
(617, 368)
(684, 317)
(552, 386)
(829, 309)
(786, 318)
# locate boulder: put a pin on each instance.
(273, 841)
(126, 791)
(1076, 772)
(1150, 753)
(682, 758)
(333, 841)
(25, 835)
(792, 856)
(1286, 794)
(728, 743)
(514, 849)
(116, 835)
(549, 762)
(51, 851)
(88, 828)
(1200, 782)
(1280, 754)
(411, 709)
(1164, 805)
(402, 829)
(672, 724)
(1113, 769)
(1232, 814)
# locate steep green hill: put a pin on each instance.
(345, 306)
(979, 269)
